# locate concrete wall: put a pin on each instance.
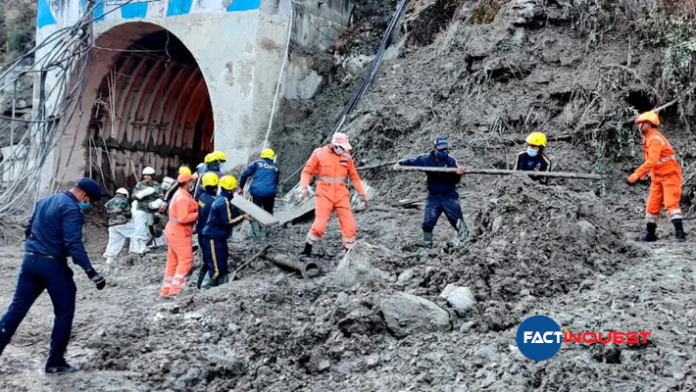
(238, 44)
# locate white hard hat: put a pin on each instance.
(148, 171)
(122, 191)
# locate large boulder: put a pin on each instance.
(460, 298)
(407, 314)
(356, 266)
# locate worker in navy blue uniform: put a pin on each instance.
(218, 229)
(213, 161)
(442, 191)
(53, 234)
(205, 205)
(264, 176)
(534, 158)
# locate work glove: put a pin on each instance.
(240, 192)
(364, 199)
(305, 194)
(632, 179)
(96, 278)
(397, 167)
(460, 170)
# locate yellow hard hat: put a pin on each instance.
(184, 169)
(536, 139)
(650, 117)
(210, 179)
(268, 153)
(220, 156)
(210, 157)
(228, 182)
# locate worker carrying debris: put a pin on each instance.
(183, 213)
(212, 164)
(218, 229)
(148, 198)
(172, 190)
(205, 204)
(264, 176)
(442, 191)
(331, 165)
(665, 174)
(534, 158)
(53, 234)
(118, 211)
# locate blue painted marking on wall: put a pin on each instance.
(243, 5)
(134, 10)
(179, 7)
(98, 13)
(44, 17)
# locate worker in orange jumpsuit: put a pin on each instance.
(183, 212)
(665, 175)
(331, 165)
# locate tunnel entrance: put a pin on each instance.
(152, 108)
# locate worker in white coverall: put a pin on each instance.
(148, 198)
(121, 226)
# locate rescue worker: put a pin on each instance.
(183, 213)
(218, 229)
(534, 159)
(205, 202)
(442, 191)
(53, 234)
(146, 194)
(264, 176)
(212, 165)
(171, 191)
(665, 175)
(331, 165)
(118, 211)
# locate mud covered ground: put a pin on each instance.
(271, 330)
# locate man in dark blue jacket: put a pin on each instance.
(53, 234)
(264, 185)
(212, 165)
(218, 229)
(442, 191)
(534, 158)
(205, 202)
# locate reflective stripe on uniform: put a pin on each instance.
(215, 263)
(676, 214)
(349, 240)
(665, 159)
(312, 238)
(331, 179)
(651, 218)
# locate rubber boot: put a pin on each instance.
(109, 260)
(307, 252)
(61, 369)
(650, 235)
(463, 231)
(255, 231)
(428, 240)
(680, 236)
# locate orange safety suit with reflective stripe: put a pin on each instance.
(665, 174)
(183, 212)
(332, 193)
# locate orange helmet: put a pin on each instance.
(650, 117)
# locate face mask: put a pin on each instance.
(441, 154)
(338, 150)
(85, 206)
(531, 152)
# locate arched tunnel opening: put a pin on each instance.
(152, 108)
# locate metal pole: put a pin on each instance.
(502, 172)
(307, 269)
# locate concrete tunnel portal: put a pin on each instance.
(151, 106)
